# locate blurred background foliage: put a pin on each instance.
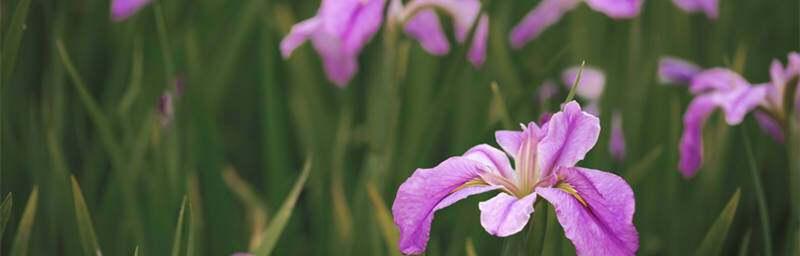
(80, 96)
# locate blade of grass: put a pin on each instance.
(575, 85)
(760, 198)
(498, 108)
(274, 230)
(136, 251)
(163, 39)
(384, 219)
(84, 221)
(715, 238)
(13, 37)
(176, 241)
(20, 245)
(5, 213)
(470, 248)
(744, 248)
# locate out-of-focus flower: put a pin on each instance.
(338, 32)
(422, 23)
(617, 144)
(242, 254)
(710, 7)
(122, 9)
(546, 91)
(676, 71)
(592, 83)
(595, 208)
(548, 12)
(783, 80)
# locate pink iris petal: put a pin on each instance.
(123, 9)
(676, 71)
(338, 32)
(493, 158)
(426, 28)
(617, 9)
(505, 215)
(546, 91)
(571, 133)
(770, 126)
(547, 13)
(617, 144)
(511, 141)
(592, 82)
(604, 226)
(477, 52)
(428, 190)
(716, 79)
(710, 7)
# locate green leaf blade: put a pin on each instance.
(715, 238)
(278, 223)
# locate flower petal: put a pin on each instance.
(493, 158)
(617, 9)
(691, 145)
(340, 66)
(601, 221)
(617, 144)
(716, 79)
(770, 126)
(426, 28)
(707, 6)
(477, 52)
(740, 101)
(546, 13)
(122, 9)
(676, 71)
(505, 215)
(510, 141)
(570, 134)
(298, 35)
(428, 190)
(364, 23)
(462, 12)
(592, 83)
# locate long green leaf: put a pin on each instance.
(20, 245)
(13, 37)
(5, 213)
(85, 227)
(715, 238)
(469, 247)
(384, 219)
(275, 228)
(760, 197)
(176, 241)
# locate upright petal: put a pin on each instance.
(596, 211)
(298, 35)
(617, 9)
(740, 101)
(425, 192)
(364, 23)
(493, 158)
(676, 71)
(505, 215)
(426, 28)
(592, 83)
(691, 145)
(570, 134)
(617, 144)
(122, 9)
(509, 141)
(477, 52)
(708, 6)
(716, 79)
(463, 12)
(547, 13)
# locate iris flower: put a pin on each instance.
(594, 207)
(338, 32)
(709, 7)
(772, 115)
(122, 9)
(421, 22)
(548, 12)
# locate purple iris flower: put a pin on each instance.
(710, 7)
(122, 9)
(617, 144)
(338, 32)
(672, 70)
(773, 113)
(422, 23)
(595, 208)
(548, 12)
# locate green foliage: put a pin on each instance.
(715, 238)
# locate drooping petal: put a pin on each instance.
(676, 71)
(716, 79)
(691, 145)
(428, 190)
(122, 9)
(592, 82)
(709, 7)
(546, 13)
(426, 28)
(477, 51)
(493, 158)
(505, 215)
(570, 134)
(617, 9)
(600, 222)
(770, 126)
(617, 144)
(298, 35)
(340, 66)
(364, 23)
(463, 13)
(740, 101)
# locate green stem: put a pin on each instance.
(760, 198)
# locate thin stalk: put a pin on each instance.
(760, 198)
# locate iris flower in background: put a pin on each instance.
(773, 114)
(595, 208)
(338, 32)
(672, 70)
(591, 86)
(122, 9)
(548, 12)
(421, 22)
(617, 144)
(709, 7)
